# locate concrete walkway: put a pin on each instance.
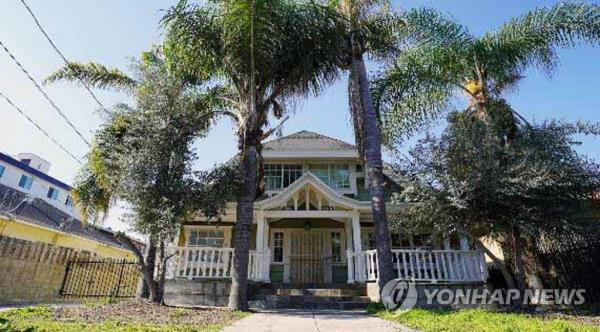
(292, 320)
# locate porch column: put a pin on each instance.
(359, 263)
(262, 229)
(349, 251)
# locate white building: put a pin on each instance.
(28, 173)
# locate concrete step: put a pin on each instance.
(319, 292)
(309, 302)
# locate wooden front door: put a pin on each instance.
(308, 261)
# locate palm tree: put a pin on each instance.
(370, 28)
(262, 54)
(446, 60)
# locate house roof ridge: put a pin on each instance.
(307, 135)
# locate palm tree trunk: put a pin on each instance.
(238, 297)
(372, 154)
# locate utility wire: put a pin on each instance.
(44, 94)
(39, 128)
(85, 85)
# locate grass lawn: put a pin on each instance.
(469, 320)
(123, 316)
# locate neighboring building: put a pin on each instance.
(33, 219)
(314, 226)
(28, 173)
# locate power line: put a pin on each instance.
(85, 85)
(39, 128)
(44, 94)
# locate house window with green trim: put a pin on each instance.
(337, 176)
(206, 238)
(280, 176)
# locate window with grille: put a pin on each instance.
(337, 176)
(206, 238)
(278, 247)
(279, 176)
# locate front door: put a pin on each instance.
(308, 261)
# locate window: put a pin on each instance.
(400, 241)
(278, 247)
(337, 176)
(25, 182)
(336, 247)
(422, 240)
(52, 193)
(69, 201)
(2, 168)
(26, 161)
(206, 238)
(278, 176)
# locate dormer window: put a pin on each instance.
(279, 176)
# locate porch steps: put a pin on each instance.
(323, 296)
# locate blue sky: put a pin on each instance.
(113, 31)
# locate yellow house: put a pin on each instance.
(32, 219)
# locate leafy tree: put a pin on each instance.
(142, 156)
(444, 60)
(261, 54)
(467, 182)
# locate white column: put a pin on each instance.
(356, 232)
(260, 231)
(349, 251)
(359, 263)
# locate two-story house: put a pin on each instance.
(314, 226)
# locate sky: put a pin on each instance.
(112, 32)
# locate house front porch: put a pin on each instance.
(310, 234)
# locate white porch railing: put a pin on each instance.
(208, 262)
(449, 266)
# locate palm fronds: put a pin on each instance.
(93, 74)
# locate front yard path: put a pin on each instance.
(292, 320)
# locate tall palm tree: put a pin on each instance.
(263, 54)
(370, 29)
(445, 60)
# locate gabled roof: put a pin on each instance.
(309, 178)
(307, 140)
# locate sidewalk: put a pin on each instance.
(292, 320)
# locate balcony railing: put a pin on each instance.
(214, 263)
(447, 266)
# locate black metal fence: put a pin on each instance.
(100, 278)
